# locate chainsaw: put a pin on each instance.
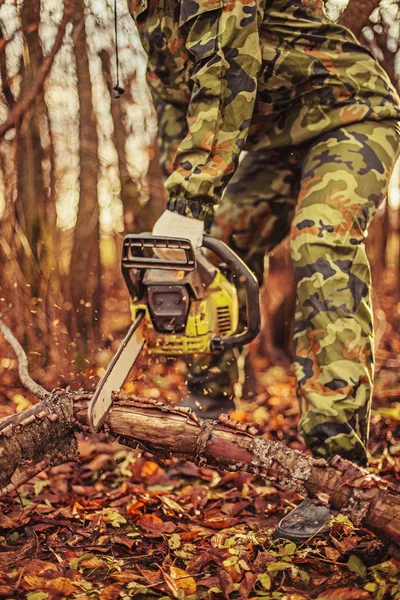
(179, 307)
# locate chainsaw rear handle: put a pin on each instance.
(243, 275)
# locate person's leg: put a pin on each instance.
(345, 177)
(254, 216)
(258, 206)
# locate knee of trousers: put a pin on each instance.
(322, 230)
(335, 271)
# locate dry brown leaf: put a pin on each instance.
(247, 585)
(61, 586)
(41, 567)
(152, 577)
(220, 522)
(173, 506)
(13, 558)
(346, 544)
(154, 524)
(332, 553)
(94, 562)
(99, 462)
(149, 469)
(183, 580)
(7, 591)
(6, 522)
(171, 583)
(346, 593)
(226, 582)
(111, 592)
(125, 576)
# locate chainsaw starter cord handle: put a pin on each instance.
(244, 276)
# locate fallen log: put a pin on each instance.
(44, 435)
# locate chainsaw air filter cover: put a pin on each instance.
(182, 318)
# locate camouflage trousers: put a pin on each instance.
(324, 194)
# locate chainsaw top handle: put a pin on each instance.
(134, 256)
(135, 246)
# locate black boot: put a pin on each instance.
(209, 407)
(210, 385)
(306, 521)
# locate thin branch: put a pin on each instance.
(26, 379)
(3, 72)
(23, 105)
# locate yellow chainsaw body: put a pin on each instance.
(214, 313)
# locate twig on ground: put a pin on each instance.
(26, 379)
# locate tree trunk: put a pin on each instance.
(136, 217)
(356, 17)
(44, 435)
(29, 98)
(85, 268)
(129, 189)
(34, 217)
(30, 150)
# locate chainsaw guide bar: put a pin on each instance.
(116, 373)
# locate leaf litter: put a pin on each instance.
(120, 525)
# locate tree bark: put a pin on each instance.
(130, 192)
(356, 17)
(44, 435)
(29, 98)
(33, 220)
(85, 270)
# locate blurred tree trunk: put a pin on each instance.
(34, 217)
(356, 15)
(356, 18)
(5, 84)
(31, 193)
(85, 271)
(27, 100)
(129, 189)
(137, 218)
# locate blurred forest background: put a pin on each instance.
(79, 169)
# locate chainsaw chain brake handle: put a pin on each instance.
(134, 257)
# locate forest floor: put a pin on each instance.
(121, 525)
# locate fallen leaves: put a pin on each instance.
(153, 524)
(180, 580)
(40, 575)
(121, 526)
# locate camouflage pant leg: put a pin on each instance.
(254, 216)
(345, 177)
(257, 209)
